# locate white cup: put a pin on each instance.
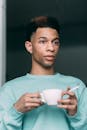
(51, 96)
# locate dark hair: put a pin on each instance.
(41, 21)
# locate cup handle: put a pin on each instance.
(42, 98)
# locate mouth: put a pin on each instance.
(50, 57)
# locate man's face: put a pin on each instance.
(45, 45)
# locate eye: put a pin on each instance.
(56, 42)
(42, 41)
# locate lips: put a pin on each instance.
(50, 57)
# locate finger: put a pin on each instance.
(66, 101)
(32, 95)
(68, 88)
(32, 105)
(71, 94)
(68, 107)
(63, 93)
(28, 99)
(34, 100)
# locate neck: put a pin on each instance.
(38, 70)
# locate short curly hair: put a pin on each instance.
(41, 21)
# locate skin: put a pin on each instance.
(44, 46)
(70, 104)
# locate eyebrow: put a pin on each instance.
(42, 37)
(56, 38)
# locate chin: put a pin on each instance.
(48, 66)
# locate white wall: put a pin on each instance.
(2, 41)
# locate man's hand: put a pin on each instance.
(70, 104)
(28, 102)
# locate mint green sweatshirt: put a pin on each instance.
(44, 117)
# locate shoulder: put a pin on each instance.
(69, 77)
(72, 80)
(14, 82)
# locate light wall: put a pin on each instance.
(2, 41)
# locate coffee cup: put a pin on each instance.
(51, 96)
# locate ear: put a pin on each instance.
(28, 46)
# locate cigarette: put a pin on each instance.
(73, 89)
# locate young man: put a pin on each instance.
(20, 104)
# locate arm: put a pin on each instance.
(79, 120)
(10, 119)
(76, 108)
(12, 110)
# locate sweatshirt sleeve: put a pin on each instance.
(79, 120)
(10, 118)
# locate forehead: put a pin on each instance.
(46, 32)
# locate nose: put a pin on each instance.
(50, 47)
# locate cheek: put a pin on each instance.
(37, 49)
(56, 50)
(36, 52)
